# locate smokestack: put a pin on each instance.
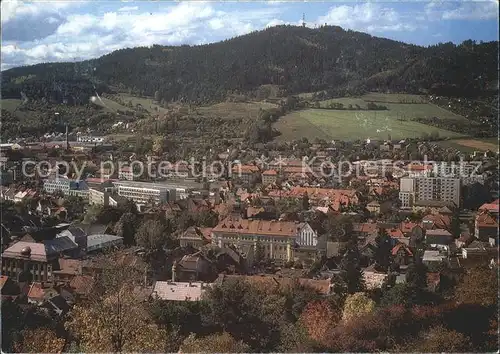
(67, 139)
(174, 271)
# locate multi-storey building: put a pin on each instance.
(126, 173)
(438, 188)
(278, 240)
(98, 197)
(244, 172)
(67, 187)
(442, 189)
(269, 177)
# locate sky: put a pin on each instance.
(51, 31)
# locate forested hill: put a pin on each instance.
(296, 58)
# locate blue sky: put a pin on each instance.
(34, 32)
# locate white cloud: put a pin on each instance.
(128, 8)
(473, 10)
(15, 8)
(275, 22)
(89, 35)
(369, 17)
(464, 10)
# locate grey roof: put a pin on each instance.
(41, 251)
(433, 256)
(72, 232)
(175, 291)
(59, 244)
(100, 241)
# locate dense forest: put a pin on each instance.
(295, 58)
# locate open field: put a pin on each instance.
(12, 104)
(110, 105)
(394, 98)
(147, 103)
(352, 125)
(232, 110)
(471, 145)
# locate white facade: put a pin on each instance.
(438, 188)
(307, 237)
(90, 139)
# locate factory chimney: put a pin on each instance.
(67, 138)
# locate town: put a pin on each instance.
(381, 233)
(249, 177)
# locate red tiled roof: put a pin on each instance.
(270, 173)
(438, 220)
(262, 227)
(245, 168)
(486, 220)
(396, 248)
(36, 291)
(365, 228)
(415, 167)
(3, 280)
(395, 233)
(491, 207)
(407, 226)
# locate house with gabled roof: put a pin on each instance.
(486, 226)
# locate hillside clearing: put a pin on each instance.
(352, 125)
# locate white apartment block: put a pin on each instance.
(98, 197)
(90, 139)
(429, 189)
(141, 192)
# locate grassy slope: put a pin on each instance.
(350, 125)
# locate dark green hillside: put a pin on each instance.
(298, 59)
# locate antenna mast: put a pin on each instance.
(303, 19)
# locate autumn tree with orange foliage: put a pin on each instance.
(318, 318)
(115, 319)
(39, 340)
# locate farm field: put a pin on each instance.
(471, 145)
(352, 125)
(147, 103)
(233, 110)
(394, 98)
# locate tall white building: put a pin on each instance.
(429, 189)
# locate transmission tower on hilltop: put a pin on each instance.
(303, 20)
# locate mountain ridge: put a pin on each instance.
(295, 58)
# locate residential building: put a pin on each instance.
(244, 172)
(195, 237)
(440, 239)
(438, 188)
(98, 197)
(269, 177)
(433, 258)
(424, 189)
(485, 226)
(407, 192)
(126, 173)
